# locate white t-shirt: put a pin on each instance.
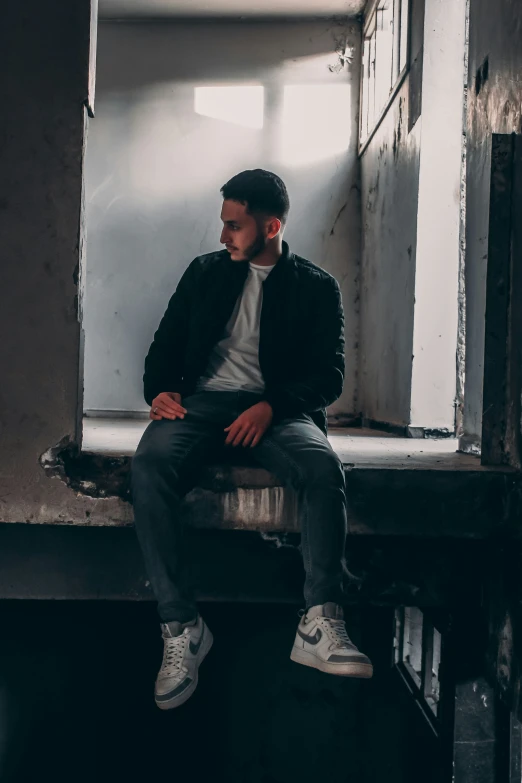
(234, 362)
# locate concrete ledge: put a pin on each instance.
(387, 503)
(395, 487)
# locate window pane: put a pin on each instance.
(412, 642)
(403, 54)
(365, 81)
(384, 54)
(433, 697)
(371, 84)
(399, 623)
(396, 39)
(385, 49)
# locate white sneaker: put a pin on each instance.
(322, 642)
(185, 646)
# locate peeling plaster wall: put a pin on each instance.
(155, 166)
(494, 106)
(389, 197)
(390, 180)
(45, 50)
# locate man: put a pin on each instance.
(248, 355)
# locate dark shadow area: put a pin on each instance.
(76, 704)
(167, 60)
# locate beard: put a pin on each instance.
(257, 246)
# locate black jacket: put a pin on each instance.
(301, 344)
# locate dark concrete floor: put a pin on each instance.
(76, 702)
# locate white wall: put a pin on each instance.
(155, 166)
(434, 371)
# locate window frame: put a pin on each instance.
(369, 22)
(429, 689)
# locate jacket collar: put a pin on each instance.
(286, 257)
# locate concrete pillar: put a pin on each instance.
(438, 224)
(44, 49)
(494, 106)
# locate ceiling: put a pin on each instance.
(126, 9)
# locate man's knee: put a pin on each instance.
(152, 454)
(324, 469)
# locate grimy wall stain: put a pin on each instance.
(494, 106)
(275, 95)
(390, 184)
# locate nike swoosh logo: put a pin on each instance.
(315, 639)
(194, 648)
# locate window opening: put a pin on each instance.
(432, 684)
(412, 643)
(385, 57)
(417, 657)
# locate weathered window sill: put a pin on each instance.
(395, 486)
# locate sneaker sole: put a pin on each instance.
(177, 701)
(361, 670)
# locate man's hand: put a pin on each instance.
(249, 428)
(167, 405)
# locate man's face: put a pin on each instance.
(242, 235)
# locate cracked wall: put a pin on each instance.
(155, 166)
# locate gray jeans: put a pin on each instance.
(165, 467)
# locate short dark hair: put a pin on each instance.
(261, 191)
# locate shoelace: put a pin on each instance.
(336, 631)
(173, 654)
